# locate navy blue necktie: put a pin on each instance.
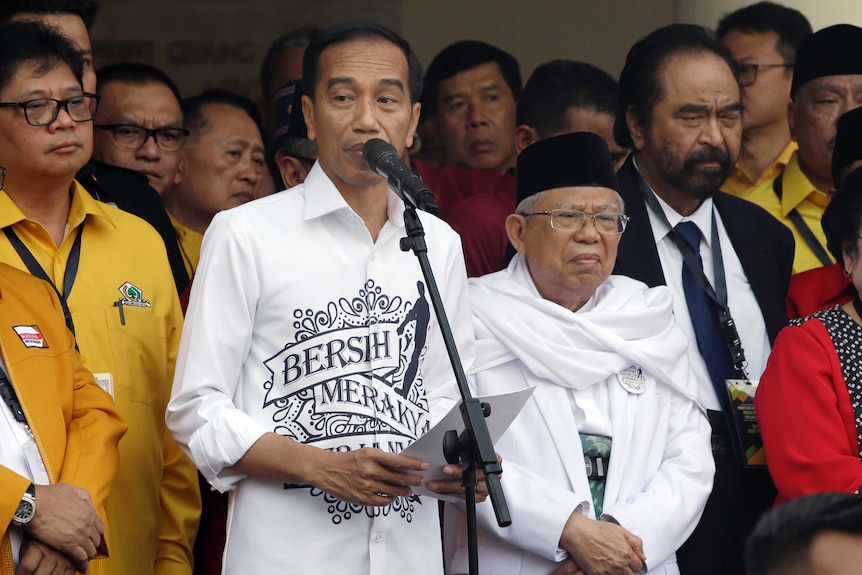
(704, 318)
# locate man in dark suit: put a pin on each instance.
(680, 109)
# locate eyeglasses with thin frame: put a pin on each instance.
(748, 72)
(133, 137)
(44, 111)
(566, 220)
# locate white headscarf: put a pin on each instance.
(625, 323)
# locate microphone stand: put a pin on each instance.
(473, 448)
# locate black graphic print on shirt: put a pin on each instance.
(353, 379)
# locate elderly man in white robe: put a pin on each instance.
(609, 465)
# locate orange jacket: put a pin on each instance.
(75, 424)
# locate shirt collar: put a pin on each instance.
(82, 205)
(796, 187)
(784, 158)
(322, 197)
(183, 230)
(702, 217)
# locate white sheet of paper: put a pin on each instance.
(429, 447)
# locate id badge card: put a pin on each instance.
(747, 432)
(105, 381)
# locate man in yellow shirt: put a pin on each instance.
(827, 82)
(763, 39)
(223, 164)
(111, 273)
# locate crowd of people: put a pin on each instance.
(218, 346)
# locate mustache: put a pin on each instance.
(710, 154)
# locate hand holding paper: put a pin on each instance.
(429, 447)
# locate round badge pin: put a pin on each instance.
(633, 380)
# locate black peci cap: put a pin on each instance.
(575, 159)
(832, 51)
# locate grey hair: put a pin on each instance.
(528, 204)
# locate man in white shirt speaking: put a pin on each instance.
(299, 380)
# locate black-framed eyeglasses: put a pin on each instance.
(567, 220)
(748, 72)
(44, 111)
(132, 136)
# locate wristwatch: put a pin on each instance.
(27, 508)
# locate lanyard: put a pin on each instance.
(36, 270)
(801, 226)
(718, 295)
(7, 392)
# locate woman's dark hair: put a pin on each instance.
(843, 216)
(37, 44)
(346, 32)
(641, 87)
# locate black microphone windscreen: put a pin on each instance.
(375, 150)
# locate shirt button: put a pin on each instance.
(378, 538)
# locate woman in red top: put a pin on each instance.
(809, 403)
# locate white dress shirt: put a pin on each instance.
(13, 456)
(301, 324)
(743, 306)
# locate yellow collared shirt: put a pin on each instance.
(740, 181)
(154, 508)
(190, 244)
(797, 192)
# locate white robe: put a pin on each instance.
(661, 466)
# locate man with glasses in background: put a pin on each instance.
(125, 189)
(763, 39)
(112, 277)
(827, 82)
(140, 123)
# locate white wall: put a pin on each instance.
(820, 13)
(535, 31)
(220, 43)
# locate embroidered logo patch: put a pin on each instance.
(31, 336)
(633, 380)
(133, 295)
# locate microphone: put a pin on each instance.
(382, 158)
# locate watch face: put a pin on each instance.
(25, 512)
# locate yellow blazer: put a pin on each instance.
(75, 424)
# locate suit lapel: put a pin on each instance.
(637, 256)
